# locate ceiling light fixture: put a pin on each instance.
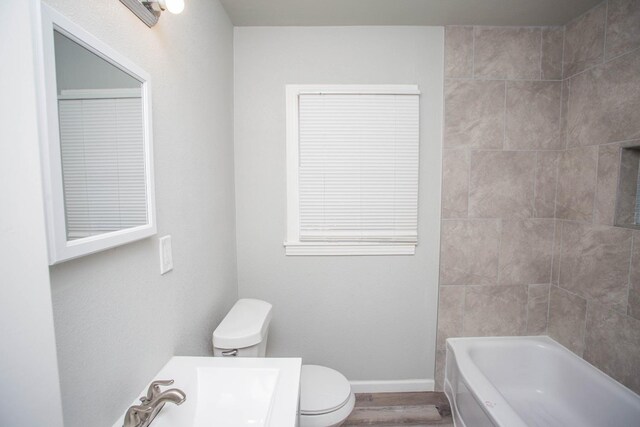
(149, 10)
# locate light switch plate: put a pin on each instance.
(166, 257)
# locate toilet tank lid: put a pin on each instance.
(245, 325)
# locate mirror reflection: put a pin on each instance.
(102, 147)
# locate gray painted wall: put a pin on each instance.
(29, 387)
(117, 320)
(372, 318)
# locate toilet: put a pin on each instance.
(326, 399)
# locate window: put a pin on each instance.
(352, 170)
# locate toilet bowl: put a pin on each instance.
(326, 399)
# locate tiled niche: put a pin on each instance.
(628, 195)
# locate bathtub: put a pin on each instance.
(531, 381)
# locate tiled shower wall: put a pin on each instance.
(595, 297)
(529, 176)
(502, 144)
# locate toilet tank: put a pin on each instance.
(244, 330)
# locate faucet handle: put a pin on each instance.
(154, 390)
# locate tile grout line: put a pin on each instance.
(500, 222)
(564, 38)
(504, 124)
(468, 156)
(525, 150)
(473, 52)
(540, 62)
(602, 63)
(546, 326)
(584, 329)
(526, 323)
(464, 309)
(633, 244)
(604, 36)
(535, 185)
(553, 249)
(490, 79)
(595, 189)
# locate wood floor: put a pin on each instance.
(400, 410)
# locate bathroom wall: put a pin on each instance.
(595, 299)
(30, 392)
(371, 317)
(117, 320)
(502, 144)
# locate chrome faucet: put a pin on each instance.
(142, 415)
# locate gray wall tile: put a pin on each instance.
(533, 116)
(507, 52)
(546, 183)
(537, 309)
(458, 52)
(455, 183)
(604, 103)
(502, 184)
(552, 46)
(584, 41)
(474, 114)
(450, 313)
(608, 169)
(623, 27)
(595, 262)
(567, 314)
(576, 184)
(469, 252)
(495, 310)
(612, 343)
(526, 251)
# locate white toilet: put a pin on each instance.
(326, 399)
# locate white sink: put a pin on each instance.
(231, 392)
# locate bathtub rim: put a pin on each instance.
(502, 412)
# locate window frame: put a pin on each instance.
(292, 244)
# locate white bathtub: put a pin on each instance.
(531, 381)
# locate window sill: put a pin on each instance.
(348, 249)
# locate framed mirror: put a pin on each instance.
(97, 151)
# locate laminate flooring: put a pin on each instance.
(417, 409)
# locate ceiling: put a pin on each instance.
(404, 12)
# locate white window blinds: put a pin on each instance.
(358, 167)
(102, 150)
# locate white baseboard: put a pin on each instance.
(392, 386)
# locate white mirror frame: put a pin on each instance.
(61, 249)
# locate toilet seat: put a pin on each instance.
(322, 390)
(325, 397)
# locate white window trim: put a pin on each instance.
(292, 244)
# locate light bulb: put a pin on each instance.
(174, 6)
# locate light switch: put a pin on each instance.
(166, 258)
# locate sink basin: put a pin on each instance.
(244, 400)
(231, 392)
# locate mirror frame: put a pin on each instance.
(61, 249)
